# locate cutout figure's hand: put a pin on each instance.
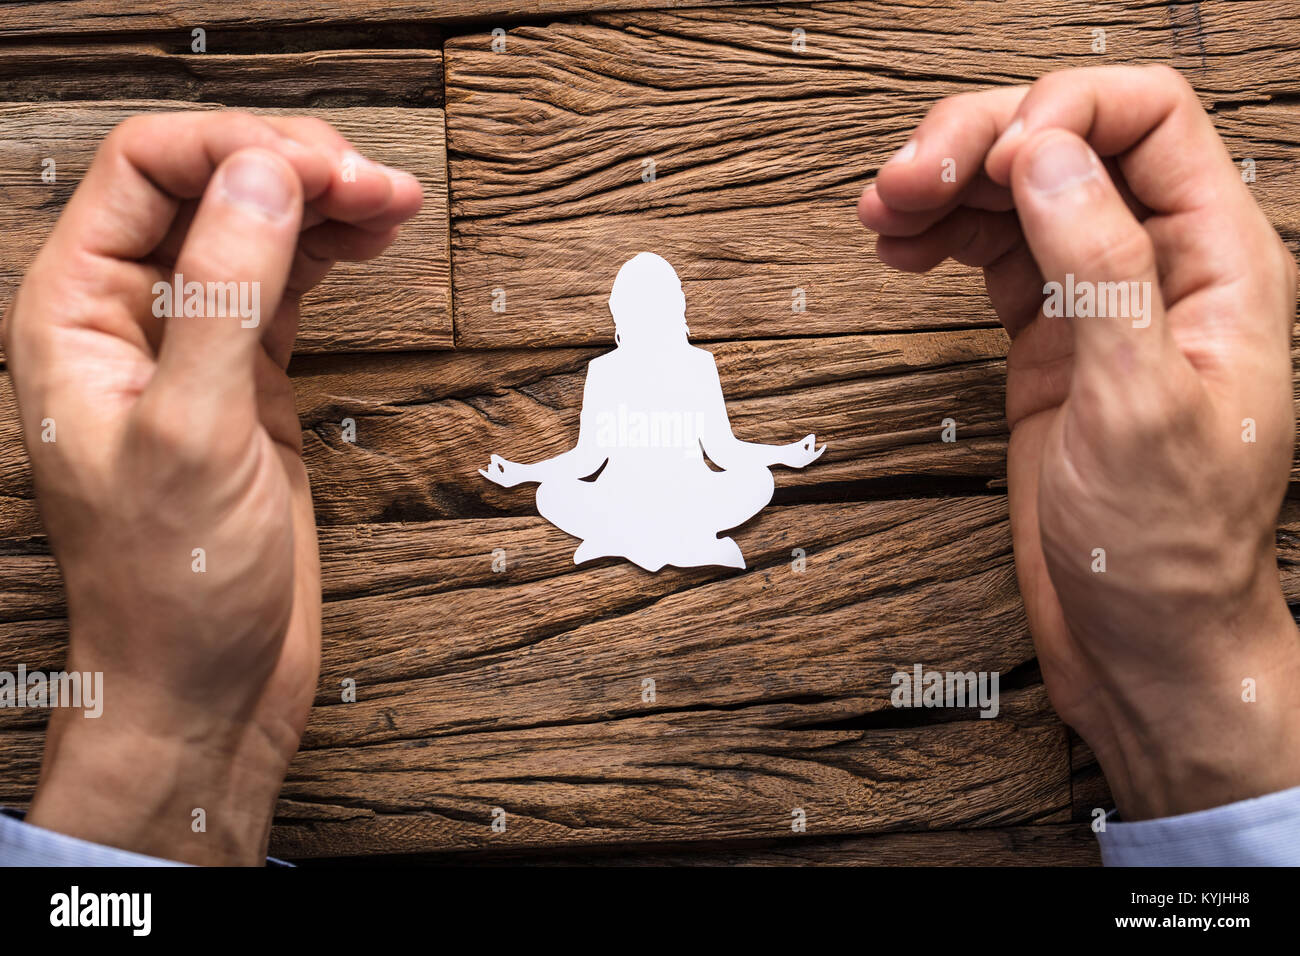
(1150, 306)
(799, 453)
(505, 473)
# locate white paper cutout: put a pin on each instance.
(651, 410)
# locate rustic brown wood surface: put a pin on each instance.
(1041, 845)
(520, 689)
(760, 153)
(43, 18)
(147, 71)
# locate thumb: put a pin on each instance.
(1098, 263)
(228, 281)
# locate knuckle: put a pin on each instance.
(166, 442)
(237, 117)
(948, 107)
(315, 125)
(1129, 252)
(124, 132)
(1168, 413)
(1166, 75)
(1047, 85)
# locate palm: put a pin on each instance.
(286, 699)
(1038, 378)
(269, 514)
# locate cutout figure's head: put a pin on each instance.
(647, 302)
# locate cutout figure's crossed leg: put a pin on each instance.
(585, 509)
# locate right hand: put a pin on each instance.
(505, 473)
(1127, 432)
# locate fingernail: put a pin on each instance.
(1010, 133)
(257, 182)
(1061, 163)
(906, 154)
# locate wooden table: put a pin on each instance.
(514, 688)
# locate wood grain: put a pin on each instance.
(145, 71)
(772, 685)
(760, 153)
(47, 18)
(425, 423)
(1041, 845)
(522, 688)
(399, 301)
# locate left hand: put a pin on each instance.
(174, 494)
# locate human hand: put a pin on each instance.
(174, 495)
(1157, 440)
(507, 474)
(799, 453)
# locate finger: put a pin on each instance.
(124, 207)
(1015, 287)
(239, 248)
(984, 193)
(946, 152)
(276, 408)
(1099, 265)
(125, 204)
(1039, 366)
(306, 272)
(282, 330)
(1148, 116)
(972, 237)
(360, 191)
(338, 240)
(888, 221)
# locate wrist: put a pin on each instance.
(1190, 740)
(205, 799)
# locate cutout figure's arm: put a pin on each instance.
(586, 456)
(579, 462)
(727, 451)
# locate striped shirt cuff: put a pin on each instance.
(1262, 831)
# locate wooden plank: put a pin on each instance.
(781, 694)
(406, 601)
(708, 776)
(760, 153)
(146, 71)
(77, 17)
(399, 301)
(425, 423)
(699, 776)
(1042, 845)
(771, 685)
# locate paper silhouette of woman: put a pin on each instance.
(652, 409)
